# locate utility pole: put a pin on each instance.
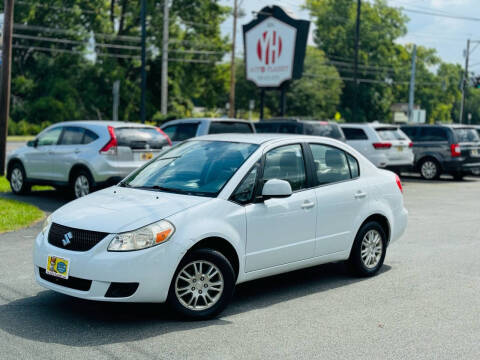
(411, 93)
(5, 77)
(231, 112)
(355, 64)
(464, 82)
(116, 99)
(164, 79)
(143, 21)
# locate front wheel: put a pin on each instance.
(202, 285)
(369, 249)
(18, 180)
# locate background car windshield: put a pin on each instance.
(194, 167)
(390, 134)
(466, 135)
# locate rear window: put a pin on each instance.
(328, 130)
(283, 127)
(181, 132)
(225, 127)
(140, 138)
(354, 134)
(466, 135)
(390, 134)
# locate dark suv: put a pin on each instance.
(450, 149)
(297, 126)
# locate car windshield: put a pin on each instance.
(389, 133)
(466, 135)
(193, 167)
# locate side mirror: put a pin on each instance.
(276, 188)
(32, 143)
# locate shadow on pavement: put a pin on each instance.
(51, 317)
(414, 178)
(48, 200)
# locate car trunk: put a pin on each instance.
(400, 144)
(138, 143)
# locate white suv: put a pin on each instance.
(386, 146)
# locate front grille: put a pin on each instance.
(71, 282)
(74, 239)
(119, 290)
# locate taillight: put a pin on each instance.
(399, 183)
(410, 144)
(382, 145)
(455, 150)
(110, 148)
(166, 136)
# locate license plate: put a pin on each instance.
(57, 266)
(474, 152)
(400, 148)
(146, 156)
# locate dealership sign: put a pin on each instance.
(274, 47)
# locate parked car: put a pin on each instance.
(220, 210)
(297, 126)
(386, 146)
(476, 172)
(184, 129)
(450, 149)
(83, 155)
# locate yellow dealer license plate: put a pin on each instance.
(57, 266)
(147, 156)
(400, 148)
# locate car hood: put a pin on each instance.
(118, 209)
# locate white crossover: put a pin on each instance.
(219, 210)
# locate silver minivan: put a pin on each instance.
(83, 155)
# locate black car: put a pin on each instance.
(449, 149)
(297, 126)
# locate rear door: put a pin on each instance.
(432, 140)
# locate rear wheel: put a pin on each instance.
(81, 184)
(369, 249)
(18, 180)
(430, 169)
(202, 285)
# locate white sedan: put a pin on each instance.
(220, 210)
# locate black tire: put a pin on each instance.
(356, 263)
(433, 166)
(228, 274)
(86, 178)
(17, 173)
(458, 176)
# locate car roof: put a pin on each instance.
(193, 120)
(295, 120)
(258, 138)
(374, 125)
(112, 123)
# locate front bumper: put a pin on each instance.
(151, 268)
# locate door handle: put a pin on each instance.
(308, 204)
(360, 195)
(76, 151)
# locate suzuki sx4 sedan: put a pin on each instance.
(220, 210)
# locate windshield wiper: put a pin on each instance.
(123, 184)
(161, 188)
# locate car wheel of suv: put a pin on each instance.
(202, 285)
(429, 169)
(18, 182)
(369, 249)
(81, 184)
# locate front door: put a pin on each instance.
(281, 231)
(39, 161)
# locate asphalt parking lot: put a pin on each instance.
(424, 304)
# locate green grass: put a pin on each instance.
(15, 215)
(5, 186)
(24, 138)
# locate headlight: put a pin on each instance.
(142, 238)
(46, 225)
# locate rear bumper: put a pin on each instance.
(400, 168)
(461, 166)
(400, 224)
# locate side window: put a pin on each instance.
(244, 192)
(354, 134)
(89, 137)
(330, 164)
(354, 168)
(225, 127)
(411, 132)
(181, 132)
(286, 163)
(432, 134)
(72, 136)
(50, 137)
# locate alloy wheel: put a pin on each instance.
(429, 169)
(199, 285)
(16, 180)
(371, 250)
(82, 186)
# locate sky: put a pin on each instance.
(448, 36)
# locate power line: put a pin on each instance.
(424, 12)
(46, 6)
(80, 52)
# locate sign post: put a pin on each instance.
(275, 46)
